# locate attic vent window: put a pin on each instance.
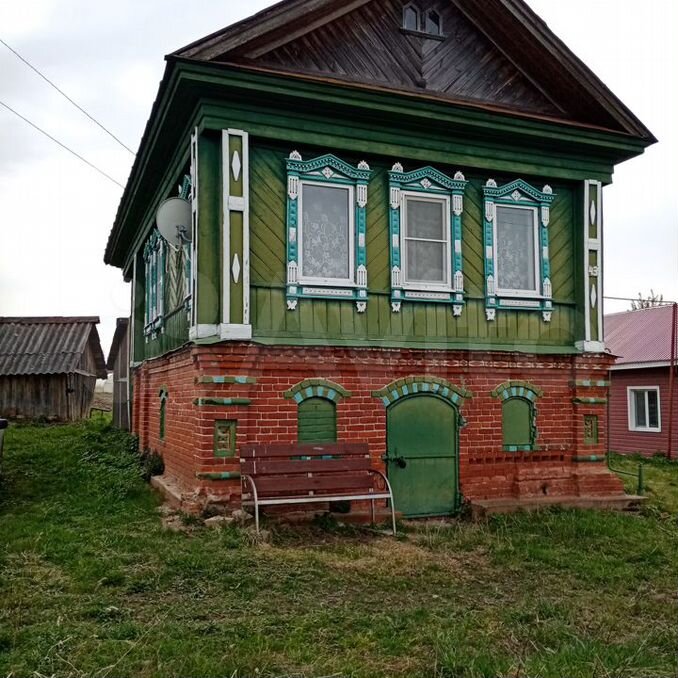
(429, 22)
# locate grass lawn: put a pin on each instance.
(91, 584)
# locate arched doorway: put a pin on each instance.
(422, 455)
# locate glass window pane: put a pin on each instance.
(426, 219)
(515, 249)
(640, 414)
(426, 262)
(433, 23)
(325, 232)
(411, 19)
(652, 409)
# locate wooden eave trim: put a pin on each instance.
(581, 75)
(419, 95)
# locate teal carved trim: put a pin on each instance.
(225, 380)
(223, 475)
(428, 182)
(155, 257)
(317, 388)
(220, 402)
(589, 401)
(517, 389)
(329, 170)
(517, 193)
(423, 384)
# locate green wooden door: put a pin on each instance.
(422, 460)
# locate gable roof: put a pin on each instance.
(121, 326)
(48, 345)
(514, 60)
(640, 337)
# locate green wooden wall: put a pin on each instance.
(418, 324)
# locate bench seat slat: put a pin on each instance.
(277, 466)
(316, 499)
(267, 485)
(293, 450)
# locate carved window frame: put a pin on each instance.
(522, 195)
(155, 257)
(327, 170)
(426, 182)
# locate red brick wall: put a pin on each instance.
(486, 471)
(646, 442)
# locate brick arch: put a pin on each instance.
(317, 388)
(423, 384)
(517, 389)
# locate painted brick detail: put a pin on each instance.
(486, 471)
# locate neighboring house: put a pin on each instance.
(118, 363)
(396, 215)
(49, 367)
(639, 381)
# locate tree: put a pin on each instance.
(650, 301)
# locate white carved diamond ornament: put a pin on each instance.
(235, 268)
(236, 166)
(328, 173)
(592, 213)
(594, 296)
(516, 195)
(426, 183)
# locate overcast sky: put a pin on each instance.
(108, 56)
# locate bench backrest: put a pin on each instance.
(289, 468)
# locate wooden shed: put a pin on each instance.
(49, 367)
(118, 363)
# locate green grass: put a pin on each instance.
(91, 584)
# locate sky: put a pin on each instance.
(108, 56)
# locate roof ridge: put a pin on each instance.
(50, 320)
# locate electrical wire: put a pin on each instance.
(66, 148)
(63, 94)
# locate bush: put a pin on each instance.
(152, 464)
(112, 460)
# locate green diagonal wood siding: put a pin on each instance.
(430, 325)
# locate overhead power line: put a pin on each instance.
(63, 94)
(66, 148)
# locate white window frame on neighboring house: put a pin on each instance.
(631, 404)
(444, 200)
(536, 291)
(350, 281)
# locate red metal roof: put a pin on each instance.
(642, 336)
(48, 345)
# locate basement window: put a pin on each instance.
(644, 412)
(517, 422)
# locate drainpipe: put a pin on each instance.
(672, 369)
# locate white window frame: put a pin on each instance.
(329, 282)
(447, 227)
(631, 403)
(536, 292)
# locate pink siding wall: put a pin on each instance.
(623, 440)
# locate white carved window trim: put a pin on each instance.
(329, 282)
(426, 197)
(631, 402)
(535, 293)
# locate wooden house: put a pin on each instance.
(640, 408)
(396, 218)
(49, 367)
(118, 364)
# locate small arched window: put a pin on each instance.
(164, 395)
(517, 423)
(411, 18)
(317, 421)
(434, 23)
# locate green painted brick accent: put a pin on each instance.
(224, 475)
(589, 383)
(422, 384)
(224, 438)
(220, 402)
(588, 459)
(323, 388)
(504, 390)
(225, 380)
(589, 401)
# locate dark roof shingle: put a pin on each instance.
(48, 345)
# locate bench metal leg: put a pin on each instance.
(390, 491)
(255, 496)
(373, 515)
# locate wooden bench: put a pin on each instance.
(278, 474)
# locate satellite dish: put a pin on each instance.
(174, 221)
